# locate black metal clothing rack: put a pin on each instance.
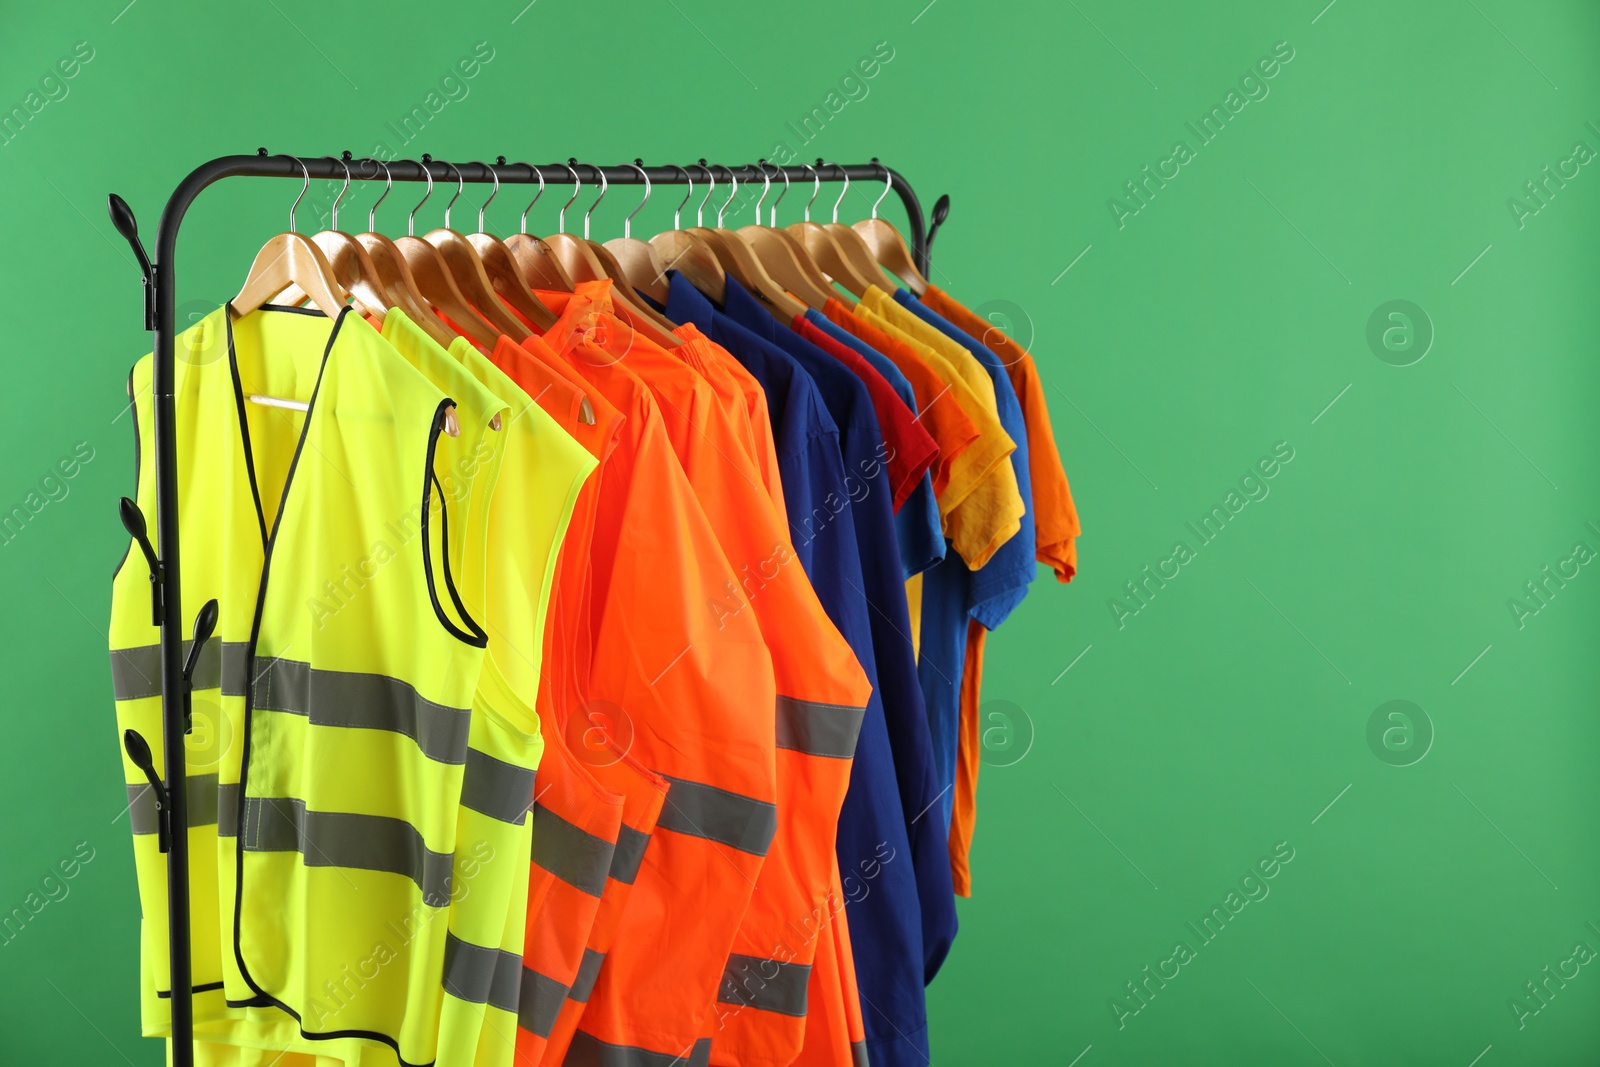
(162, 556)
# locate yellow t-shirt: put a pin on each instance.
(981, 507)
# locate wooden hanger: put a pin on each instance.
(434, 279)
(504, 274)
(678, 249)
(740, 260)
(853, 249)
(394, 277)
(534, 257)
(888, 248)
(466, 270)
(822, 248)
(352, 267)
(291, 259)
(635, 258)
(778, 255)
(587, 261)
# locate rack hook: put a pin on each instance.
(461, 184)
(411, 219)
(888, 183)
(537, 173)
(711, 179)
(604, 185)
(842, 193)
(627, 223)
(766, 187)
(303, 190)
(122, 218)
(372, 212)
(577, 184)
(733, 180)
(333, 213)
(133, 522)
(677, 211)
(772, 212)
(138, 750)
(496, 192)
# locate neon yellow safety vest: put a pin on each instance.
(542, 470)
(345, 737)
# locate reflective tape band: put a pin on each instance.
(496, 788)
(588, 971)
(590, 1051)
(858, 1054)
(539, 1002)
(228, 809)
(629, 854)
(818, 729)
(362, 702)
(201, 790)
(705, 811)
(136, 672)
(767, 985)
(343, 839)
(481, 975)
(569, 852)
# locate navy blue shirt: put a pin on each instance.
(821, 482)
(916, 525)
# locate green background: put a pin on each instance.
(1231, 713)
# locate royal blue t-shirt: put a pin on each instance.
(916, 524)
(884, 910)
(951, 594)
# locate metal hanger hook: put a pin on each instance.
(766, 187)
(577, 185)
(888, 183)
(711, 179)
(372, 212)
(496, 192)
(627, 223)
(842, 194)
(733, 180)
(537, 173)
(604, 185)
(677, 211)
(772, 212)
(411, 219)
(461, 184)
(303, 190)
(816, 187)
(333, 213)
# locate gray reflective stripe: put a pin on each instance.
(590, 1051)
(768, 985)
(718, 815)
(136, 672)
(201, 790)
(482, 975)
(588, 971)
(496, 788)
(818, 729)
(858, 1054)
(228, 809)
(362, 702)
(342, 839)
(539, 1002)
(569, 852)
(629, 854)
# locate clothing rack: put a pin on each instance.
(160, 288)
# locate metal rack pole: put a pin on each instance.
(160, 315)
